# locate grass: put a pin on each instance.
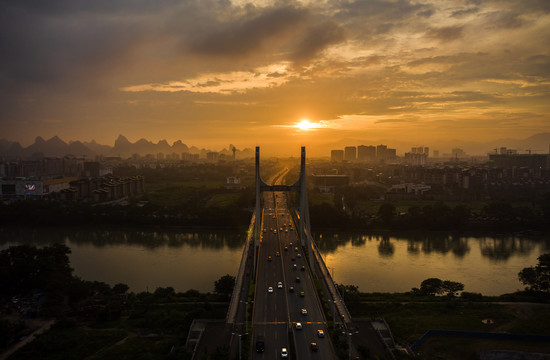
(439, 347)
(408, 321)
(69, 343)
(222, 200)
(316, 198)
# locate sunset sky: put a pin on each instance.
(278, 74)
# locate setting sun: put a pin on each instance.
(306, 125)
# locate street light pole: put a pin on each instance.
(240, 345)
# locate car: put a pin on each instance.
(292, 258)
(279, 285)
(286, 248)
(302, 294)
(277, 254)
(290, 229)
(265, 230)
(269, 258)
(303, 268)
(297, 279)
(284, 353)
(313, 346)
(299, 255)
(296, 248)
(270, 289)
(291, 289)
(294, 267)
(320, 333)
(304, 311)
(275, 231)
(286, 230)
(298, 326)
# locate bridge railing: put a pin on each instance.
(338, 301)
(235, 298)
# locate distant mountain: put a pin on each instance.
(98, 148)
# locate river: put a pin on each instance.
(146, 259)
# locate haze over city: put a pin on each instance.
(275, 74)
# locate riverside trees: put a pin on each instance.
(435, 286)
(537, 278)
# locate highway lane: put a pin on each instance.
(270, 308)
(276, 313)
(314, 320)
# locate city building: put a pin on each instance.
(350, 153)
(337, 155)
(366, 153)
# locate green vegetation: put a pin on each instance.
(537, 277)
(364, 210)
(94, 320)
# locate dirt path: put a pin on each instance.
(12, 349)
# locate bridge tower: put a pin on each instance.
(304, 229)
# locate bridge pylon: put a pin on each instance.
(299, 186)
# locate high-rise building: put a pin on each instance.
(381, 153)
(366, 153)
(337, 155)
(350, 153)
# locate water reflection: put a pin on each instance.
(388, 262)
(495, 248)
(149, 239)
(144, 259)
(501, 248)
(385, 248)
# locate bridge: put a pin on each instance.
(284, 294)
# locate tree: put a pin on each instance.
(431, 286)
(120, 288)
(224, 286)
(452, 287)
(386, 212)
(537, 277)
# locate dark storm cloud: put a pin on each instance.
(66, 44)
(246, 35)
(380, 9)
(447, 33)
(317, 39)
(464, 12)
(504, 20)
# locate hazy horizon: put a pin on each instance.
(276, 74)
(323, 150)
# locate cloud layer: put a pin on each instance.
(215, 71)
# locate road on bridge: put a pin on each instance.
(278, 307)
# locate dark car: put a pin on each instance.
(297, 279)
(314, 346)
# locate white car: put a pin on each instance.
(284, 353)
(304, 312)
(298, 326)
(270, 289)
(280, 285)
